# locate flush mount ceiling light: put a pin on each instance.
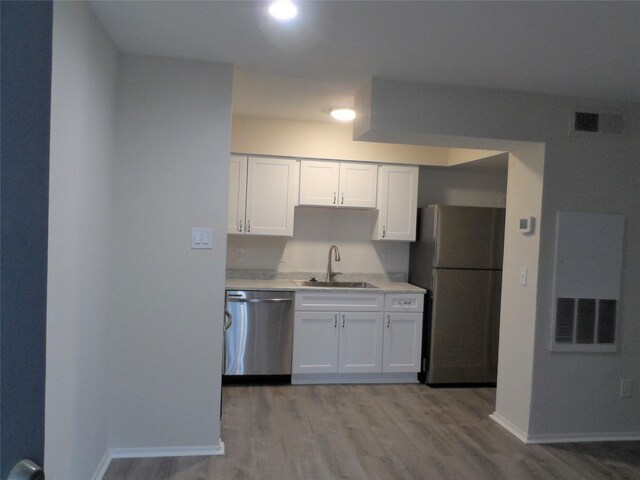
(343, 114)
(283, 10)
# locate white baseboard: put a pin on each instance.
(564, 437)
(510, 427)
(101, 469)
(585, 437)
(195, 451)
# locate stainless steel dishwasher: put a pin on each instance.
(258, 336)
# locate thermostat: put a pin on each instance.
(525, 225)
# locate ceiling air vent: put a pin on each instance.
(592, 122)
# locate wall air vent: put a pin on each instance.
(597, 122)
(585, 321)
(588, 266)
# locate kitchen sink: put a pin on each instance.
(309, 283)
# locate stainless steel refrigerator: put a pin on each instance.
(457, 256)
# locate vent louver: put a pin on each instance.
(585, 321)
(593, 122)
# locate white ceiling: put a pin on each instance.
(302, 69)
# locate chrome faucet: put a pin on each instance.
(330, 273)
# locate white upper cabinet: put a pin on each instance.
(237, 194)
(397, 203)
(270, 188)
(319, 183)
(338, 184)
(358, 185)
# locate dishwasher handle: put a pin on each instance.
(228, 319)
(258, 300)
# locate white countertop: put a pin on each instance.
(289, 285)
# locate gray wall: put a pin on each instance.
(85, 66)
(542, 396)
(173, 140)
(139, 155)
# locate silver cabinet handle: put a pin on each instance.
(342, 201)
(343, 320)
(384, 231)
(240, 225)
(248, 226)
(335, 320)
(388, 321)
(335, 197)
(405, 302)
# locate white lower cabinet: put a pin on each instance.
(402, 342)
(315, 342)
(360, 342)
(331, 336)
(337, 342)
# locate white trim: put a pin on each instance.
(585, 437)
(193, 451)
(510, 427)
(112, 453)
(324, 378)
(563, 437)
(101, 469)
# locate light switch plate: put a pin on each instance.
(201, 238)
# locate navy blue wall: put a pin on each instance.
(24, 198)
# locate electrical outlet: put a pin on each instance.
(239, 255)
(626, 387)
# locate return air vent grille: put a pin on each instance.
(586, 296)
(585, 321)
(593, 122)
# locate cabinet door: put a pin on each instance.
(358, 185)
(360, 345)
(319, 183)
(397, 203)
(237, 194)
(271, 195)
(315, 342)
(402, 342)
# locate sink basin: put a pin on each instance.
(307, 283)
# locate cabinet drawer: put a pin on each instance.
(343, 302)
(404, 302)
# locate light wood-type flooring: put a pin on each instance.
(384, 432)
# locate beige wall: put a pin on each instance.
(288, 138)
(446, 186)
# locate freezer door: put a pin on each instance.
(422, 250)
(464, 326)
(468, 237)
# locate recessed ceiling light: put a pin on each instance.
(283, 10)
(343, 114)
